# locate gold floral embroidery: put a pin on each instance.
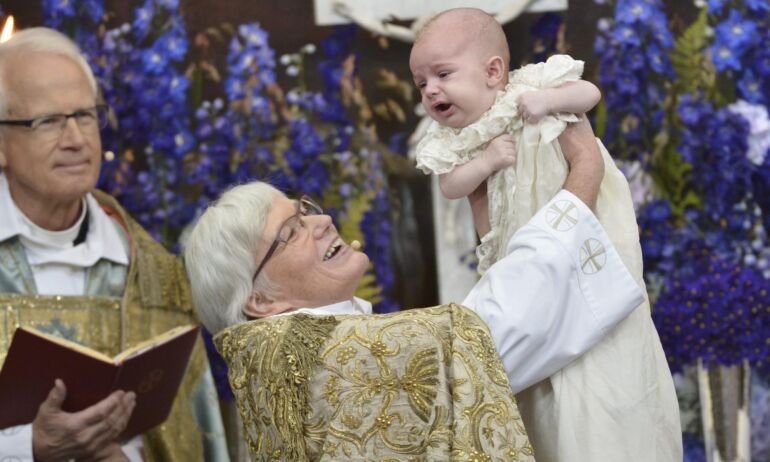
(345, 355)
(416, 385)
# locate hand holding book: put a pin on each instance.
(152, 370)
(59, 435)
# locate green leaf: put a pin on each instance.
(350, 221)
(600, 121)
(368, 289)
(691, 64)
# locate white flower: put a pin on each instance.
(640, 183)
(286, 60)
(309, 48)
(292, 71)
(604, 24)
(759, 129)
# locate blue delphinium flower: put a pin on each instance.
(55, 11)
(715, 6)
(154, 61)
(633, 47)
(94, 8)
(733, 38)
(725, 57)
(172, 44)
(758, 6)
(750, 88)
(253, 35)
(714, 313)
(142, 19)
(626, 35)
(736, 32)
(635, 11)
(171, 5)
(762, 59)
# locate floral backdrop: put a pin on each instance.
(685, 113)
(172, 151)
(685, 107)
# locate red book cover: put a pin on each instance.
(153, 370)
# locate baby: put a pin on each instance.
(617, 402)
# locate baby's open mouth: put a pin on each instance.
(443, 107)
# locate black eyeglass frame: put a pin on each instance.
(305, 207)
(101, 122)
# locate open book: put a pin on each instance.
(152, 369)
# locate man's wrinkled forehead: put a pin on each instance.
(27, 75)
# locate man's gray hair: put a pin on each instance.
(40, 40)
(220, 254)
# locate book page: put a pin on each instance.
(69, 344)
(153, 342)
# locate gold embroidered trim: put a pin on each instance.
(91, 321)
(415, 385)
(283, 356)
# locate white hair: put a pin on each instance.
(220, 254)
(40, 40)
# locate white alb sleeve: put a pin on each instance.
(560, 288)
(16, 443)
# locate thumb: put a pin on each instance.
(56, 396)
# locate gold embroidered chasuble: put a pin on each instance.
(119, 311)
(417, 385)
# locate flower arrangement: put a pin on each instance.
(704, 228)
(175, 151)
(686, 105)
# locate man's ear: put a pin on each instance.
(260, 306)
(496, 71)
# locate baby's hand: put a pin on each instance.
(533, 105)
(500, 153)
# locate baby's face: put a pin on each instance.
(452, 79)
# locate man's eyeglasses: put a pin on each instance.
(52, 125)
(290, 228)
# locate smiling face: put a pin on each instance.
(48, 170)
(315, 268)
(458, 77)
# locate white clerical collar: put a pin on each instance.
(353, 306)
(43, 246)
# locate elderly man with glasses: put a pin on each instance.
(74, 264)
(274, 279)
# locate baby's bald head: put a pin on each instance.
(470, 26)
(460, 63)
